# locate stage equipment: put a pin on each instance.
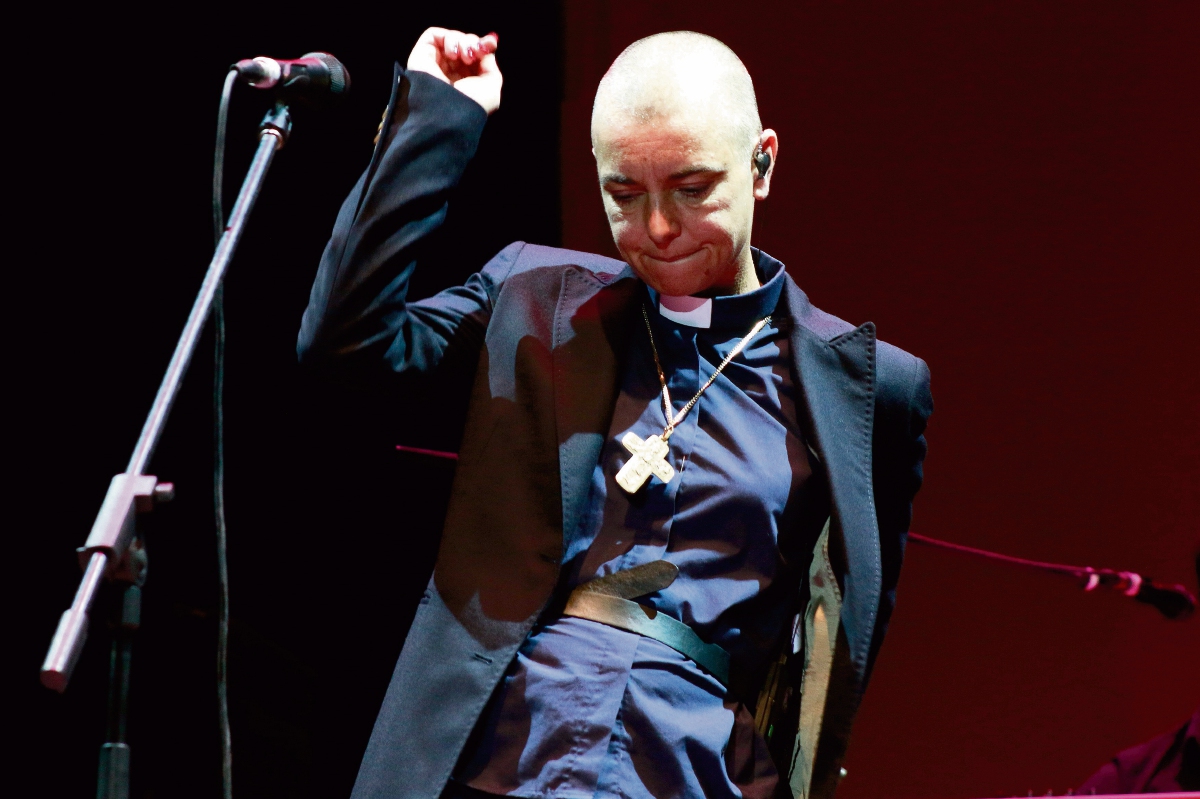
(313, 78)
(762, 162)
(113, 551)
(1173, 601)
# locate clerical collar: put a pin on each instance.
(735, 310)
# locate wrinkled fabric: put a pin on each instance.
(588, 710)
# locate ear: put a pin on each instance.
(768, 144)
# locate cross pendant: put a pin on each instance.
(649, 458)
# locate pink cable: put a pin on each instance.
(433, 453)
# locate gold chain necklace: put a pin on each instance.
(650, 455)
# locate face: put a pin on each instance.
(679, 195)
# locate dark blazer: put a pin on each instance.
(546, 331)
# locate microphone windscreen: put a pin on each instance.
(339, 76)
(1173, 601)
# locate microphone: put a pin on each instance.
(315, 78)
(1172, 601)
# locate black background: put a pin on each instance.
(332, 532)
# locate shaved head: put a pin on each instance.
(682, 158)
(680, 72)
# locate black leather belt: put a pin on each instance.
(607, 600)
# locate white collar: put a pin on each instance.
(690, 311)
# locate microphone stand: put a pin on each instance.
(1172, 601)
(113, 550)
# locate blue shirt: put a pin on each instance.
(587, 710)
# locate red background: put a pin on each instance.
(1008, 190)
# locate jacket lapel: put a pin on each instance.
(837, 382)
(591, 334)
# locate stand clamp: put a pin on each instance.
(111, 551)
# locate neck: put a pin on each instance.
(745, 278)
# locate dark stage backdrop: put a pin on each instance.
(332, 533)
(1010, 191)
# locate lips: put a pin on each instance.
(674, 260)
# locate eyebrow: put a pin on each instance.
(623, 180)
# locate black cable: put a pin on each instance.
(219, 448)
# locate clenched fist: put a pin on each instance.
(465, 61)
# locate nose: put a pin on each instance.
(661, 225)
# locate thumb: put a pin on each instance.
(488, 66)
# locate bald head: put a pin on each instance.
(681, 159)
(678, 73)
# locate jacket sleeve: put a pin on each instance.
(358, 312)
(903, 409)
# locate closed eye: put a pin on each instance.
(624, 197)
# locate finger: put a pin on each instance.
(470, 48)
(432, 37)
(452, 45)
(426, 55)
(488, 65)
(489, 43)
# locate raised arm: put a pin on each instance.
(358, 312)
